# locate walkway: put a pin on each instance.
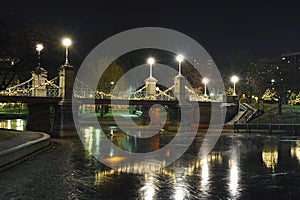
(19, 146)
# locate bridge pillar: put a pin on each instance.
(39, 118)
(64, 121)
(39, 78)
(174, 114)
(186, 118)
(66, 81)
(150, 86)
(179, 88)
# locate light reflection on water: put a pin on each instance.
(148, 190)
(14, 124)
(241, 166)
(223, 174)
(234, 174)
(270, 156)
(295, 151)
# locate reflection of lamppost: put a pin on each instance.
(205, 81)
(39, 48)
(234, 80)
(67, 42)
(151, 61)
(179, 58)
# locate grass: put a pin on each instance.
(290, 114)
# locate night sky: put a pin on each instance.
(265, 29)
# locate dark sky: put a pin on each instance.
(266, 29)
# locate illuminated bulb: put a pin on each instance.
(234, 79)
(151, 61)
(39, 47)
(67, 42)
(179, 58)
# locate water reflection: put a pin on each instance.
(14, 124)
(204, 185)
(234, 179)
(180, 186)
(147, 192)
(240, 166)
(270, 156)
(295, 151)
(225, 171)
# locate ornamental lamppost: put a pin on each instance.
(39, 48)
(234, 80)
(67, 42)
(151, 61)
(205, 81)
(112, 83)
(179, 58)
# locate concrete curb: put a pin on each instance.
(12, 156)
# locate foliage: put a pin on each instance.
(253, 80)
(110, 77)
(229, 91)
(270, 96)
(294, 99)
(290, 115)
(18, 56)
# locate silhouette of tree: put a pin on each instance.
(18, 56)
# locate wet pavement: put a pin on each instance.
(241, 166)
(18, 145)
(19, 138)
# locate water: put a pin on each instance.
(14, 124)
(241, 166)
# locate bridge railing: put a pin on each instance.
(52, 92)
(22, 89)
(82, 90)
(166, 95)
(48, 88)
(52, 89)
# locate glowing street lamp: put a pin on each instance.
(151, 61)
(39, 48)
(272, 81)
(67, 42)
(179, 58)
(112, 83)
(205, 81)
(234, 80)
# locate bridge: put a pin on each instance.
(45, 97)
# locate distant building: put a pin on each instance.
(290, 64)
(285, 69)
(293, 59)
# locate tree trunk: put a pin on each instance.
(280, 106)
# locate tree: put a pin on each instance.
(254, 82)
(18, 56)
(110, 76)
(239, 62)
(275, 79)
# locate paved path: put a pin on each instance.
(63, 171)
(20, 145)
